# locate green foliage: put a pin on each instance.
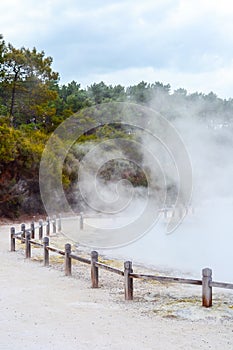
(33, 105)
(71, 99)
(8, 144)
(21, 148)
(144, 93)
(26, 85)
(100, 93)
(20, 153)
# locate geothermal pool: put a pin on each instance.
(204, 239)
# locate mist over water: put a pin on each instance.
(204, 239)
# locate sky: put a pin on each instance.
(187, 43)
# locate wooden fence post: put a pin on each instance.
(12, 239)
(40, 229)
(46, 251)
(23, 228)
(54, 224)
(32, 230)
(94, 270)
(27, 245)
(128, 280)
(59, 223)
(206, 288)
(47, 226)
(67, 259)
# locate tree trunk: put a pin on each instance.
(13, 97)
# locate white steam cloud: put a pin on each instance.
(205, 238)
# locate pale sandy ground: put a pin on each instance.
(43, 309)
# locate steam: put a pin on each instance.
(131, 216)
(205, 238)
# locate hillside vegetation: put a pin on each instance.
(33, 104)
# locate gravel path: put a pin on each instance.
(43, 309)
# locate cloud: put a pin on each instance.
(97, 38)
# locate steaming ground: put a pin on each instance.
(204, 239)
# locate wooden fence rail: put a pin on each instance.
(80, 259)
(27, 236)
(21, 235)
(167, 279)
(109, 268)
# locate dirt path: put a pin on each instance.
(43, 309)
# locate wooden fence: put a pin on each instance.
(27, 236)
